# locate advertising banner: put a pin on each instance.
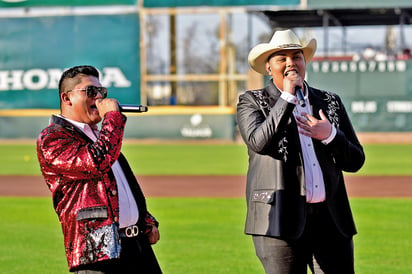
(48, 3)
(34, 51)
(217, 3)
(146, 3)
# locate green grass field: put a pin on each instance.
(192, 159)
(202, 235)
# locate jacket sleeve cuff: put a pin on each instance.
(151, 220)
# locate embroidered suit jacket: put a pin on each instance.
(85, 197)
(275, 191)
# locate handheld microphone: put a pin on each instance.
(298, 90)
(299, 95)
(133, 108)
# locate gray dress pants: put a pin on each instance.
(321, 248)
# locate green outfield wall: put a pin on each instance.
(183, 123)
(39, 39)
(377, 94)
(147, 3)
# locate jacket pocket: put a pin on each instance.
(98, 212)
(263, 196)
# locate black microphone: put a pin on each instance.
(299, 94)
(133, 108)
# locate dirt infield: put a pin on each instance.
(214, 186)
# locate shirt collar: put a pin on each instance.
(82, 126)
(305, 88)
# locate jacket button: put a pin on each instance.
(114, 192)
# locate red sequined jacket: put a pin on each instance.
(78, 173)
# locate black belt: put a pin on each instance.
(130, 231)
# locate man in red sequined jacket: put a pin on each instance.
(101, 208)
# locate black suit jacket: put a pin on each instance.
(275, 192)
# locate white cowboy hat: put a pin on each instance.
(281, 40)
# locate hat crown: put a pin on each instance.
(285, 39)
(281, 40)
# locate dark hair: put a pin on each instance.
(73, 72)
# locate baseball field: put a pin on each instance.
(196, 190)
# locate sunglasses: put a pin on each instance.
(92, 91)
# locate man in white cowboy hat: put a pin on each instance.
(298, 210)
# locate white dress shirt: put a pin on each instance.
(128, 211)
(314, 183)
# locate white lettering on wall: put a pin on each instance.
(114, 77)
(358, 66)
(54, 77)
(11, 80)
(196, 128)
(37, 79)
(399, 106)
(364, 107)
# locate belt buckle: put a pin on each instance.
(131, 231)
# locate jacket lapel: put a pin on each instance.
(134, 185)
(69, 126)
(315, 102)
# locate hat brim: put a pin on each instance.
(259, 55)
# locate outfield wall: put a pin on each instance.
(38, 44)
(377, 94)
(190, 123)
